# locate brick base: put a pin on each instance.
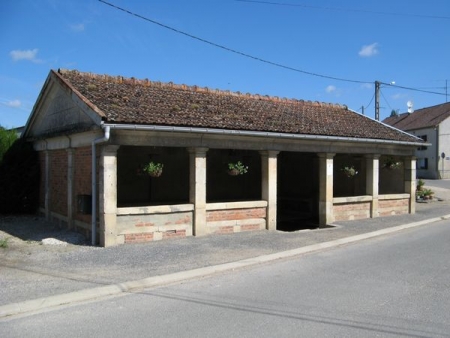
(351, 211)
(229, 229)
(139, 238)
(393, 207)
(153, 236)
(235, 214)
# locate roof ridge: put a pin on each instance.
(147, 83)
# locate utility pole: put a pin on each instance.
(377, 100)
(362, 109)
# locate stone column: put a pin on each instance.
(269, 178)
(108, 195)
(410, 182)
(372, 180)
(197, 189)
(70, 153)
(325, 189)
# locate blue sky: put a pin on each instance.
(362, 41)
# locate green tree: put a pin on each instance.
(7, 138)
(19, 179)
(394, 113)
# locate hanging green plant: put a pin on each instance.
(349, 171)
(153, 169)
(391, 164)
(237, 168)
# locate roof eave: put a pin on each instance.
(230, 132)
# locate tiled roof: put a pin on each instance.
(428, 117)
(131, 101)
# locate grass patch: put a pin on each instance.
(4, 243)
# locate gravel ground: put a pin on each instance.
(28, 234)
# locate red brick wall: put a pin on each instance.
(235, 214)
(174, 234)
(58, 182)
(139, 238)
(58, 160)
(229, 229)
(351, 211)
(393, 207)
(149, 236)
(82, 178)
(217, 216)
(42, 180)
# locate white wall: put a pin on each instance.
(429, 154)
(444, 147)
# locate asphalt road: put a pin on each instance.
(392, 286)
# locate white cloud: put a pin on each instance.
(29, 55)
(330, 89)
(399, 96)
(366, 86)
(369, 50)
(14, 103)
(78, 27)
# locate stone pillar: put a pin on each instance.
(70, 153)
(47, 185)
(325, 189)
(372, 180)
(269, 186)
(108, 195)
(410, 182)
(197, 189)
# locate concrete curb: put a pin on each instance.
(133, 286)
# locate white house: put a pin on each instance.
(432, 124)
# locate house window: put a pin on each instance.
(424, 138)
(422, 163)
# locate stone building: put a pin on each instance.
(94, 133)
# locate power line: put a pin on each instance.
(409, 88)
(385, 100)
(255, 57)
(373, 96)
(232, 50)
(347, 9)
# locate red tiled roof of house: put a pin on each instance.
(131, 101)
(428, 117)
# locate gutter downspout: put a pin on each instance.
(103, 139)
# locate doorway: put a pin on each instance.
(298, 191)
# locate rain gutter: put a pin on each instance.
(226, 132)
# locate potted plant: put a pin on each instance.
(420, 185)
(153, 169)
(428, 194)
(391, 164)
(237, 168)
(349, 171)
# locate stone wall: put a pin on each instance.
(359, 207)
(351, 211)
(145, 224)
(233, 217)
(392, 207)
